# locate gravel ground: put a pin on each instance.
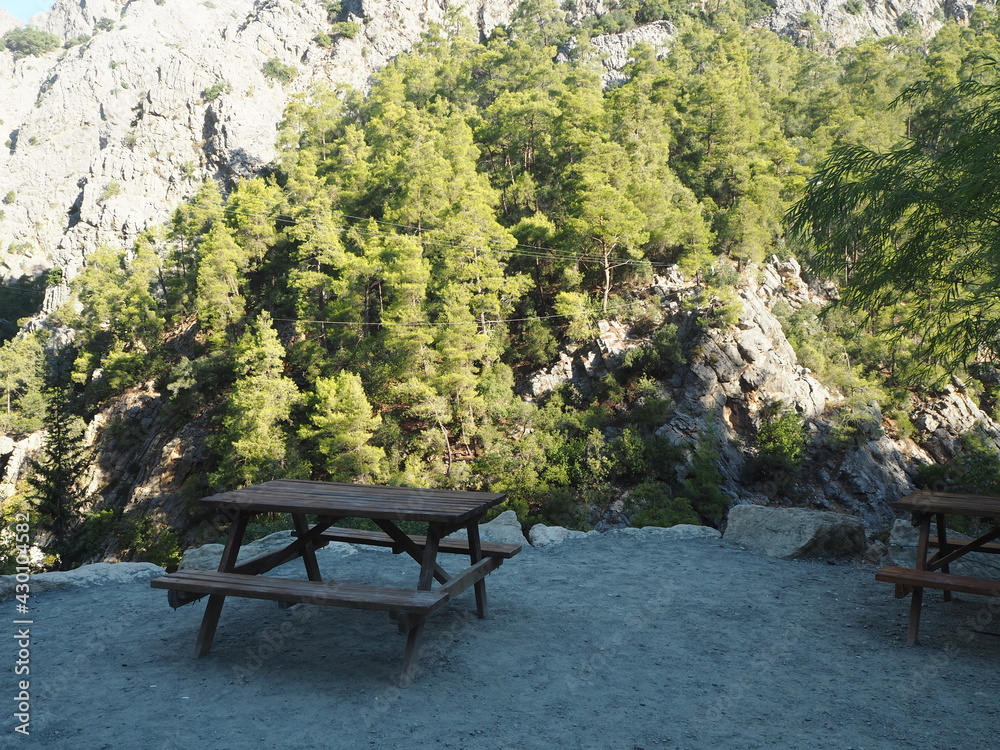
(609, 641)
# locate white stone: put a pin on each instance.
(86, 575)
(541, 535)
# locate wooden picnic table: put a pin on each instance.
(315, 507)
(932, 569)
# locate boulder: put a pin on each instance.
(504, 529)
(682, 531)
(86, 575)
(795, 532)
(207, 556)
(541, 535)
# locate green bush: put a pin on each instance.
(278, 70)
(974, 469)
(780, 445)
(350, 29)
(29, 41)
(104, 24)
(216, 90)
(654, 506)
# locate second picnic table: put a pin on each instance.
(444, 511)
(932, 569)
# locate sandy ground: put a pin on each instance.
(610, 641)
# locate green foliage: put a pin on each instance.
(29, 41)
(349, 29)
(279, 71)
(149, 539)
(423, 248)
(780, 445)
(216, 90)
(104, 24)
(652, 504)
(19, 298)
(22, 409)
(9, 197)
(974, 469)
(854, 7)
(252, 442)
(56, 472)
(908, 227)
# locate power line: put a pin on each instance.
(539, 252)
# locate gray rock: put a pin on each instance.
(86, 575)
(504, 529)
(683, 531)
(541, 535)
(795, 532)
(207, 556)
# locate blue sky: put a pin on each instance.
(25, 9)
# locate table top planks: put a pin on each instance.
(983, 506)
(358, 501)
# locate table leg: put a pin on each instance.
(476, 554)
(413, 638)
(415, 634)
(942, 530)
(308, 549)
(213, 609)
(918, 593)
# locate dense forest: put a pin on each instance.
(366, 310)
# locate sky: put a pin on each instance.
(22, 10)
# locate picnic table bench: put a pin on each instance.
(933, 570)
(444, 512)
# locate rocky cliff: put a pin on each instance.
(106, 136)
(738, 370)
(832, 24)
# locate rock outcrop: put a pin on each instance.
(107, 136)
(795, 532)
(840, 23)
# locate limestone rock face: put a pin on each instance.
(107, 136)
(838, 23)
(795, 532)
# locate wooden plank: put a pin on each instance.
(452, 546)
(983, 506)
(953, 542)
(472, 575)
(297, 591)
(363, 501)
(934, 580)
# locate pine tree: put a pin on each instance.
(252, 443)
(56, 473)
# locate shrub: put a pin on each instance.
(104, 24)
(780, 442)
(654, 506)
(350, 29)
(216, 90)
(278, 70)
(854, 7)
(10, 197)
(29, 41)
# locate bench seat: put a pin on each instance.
(381, 539)
(908, 578)
(295, 591)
